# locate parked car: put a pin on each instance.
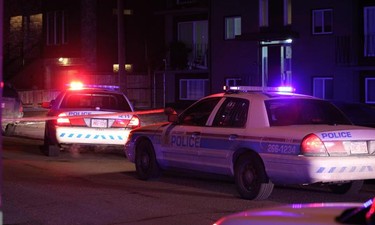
(307, 214)
(11, 108)
(359, 113)
(259, 138)
(88, 116)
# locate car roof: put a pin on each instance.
(259, 95)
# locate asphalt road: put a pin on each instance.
(99, 187)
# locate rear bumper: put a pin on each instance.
(91, 136)
(308, 170)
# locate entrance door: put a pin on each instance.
(276, 63)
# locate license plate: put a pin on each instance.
(356, 147)
(101, 123)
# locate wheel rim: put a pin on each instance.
(145, 161)
(249, 177)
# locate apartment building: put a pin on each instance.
(191, 48)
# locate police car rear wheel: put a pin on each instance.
(145, 161)
(347, 188)
(251, 178)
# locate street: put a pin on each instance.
(100, 187)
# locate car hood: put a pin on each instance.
(306, 214)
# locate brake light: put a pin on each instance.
(313, 146)
(134, 122)
(62, 119)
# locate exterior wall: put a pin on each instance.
(233, 58)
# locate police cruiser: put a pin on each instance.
(260, 137)
(88, 115)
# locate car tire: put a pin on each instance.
(48, 148)
(145, 161)
(352, 187)
(251, 178)
(10, 129)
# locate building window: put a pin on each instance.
(287, 12)
(232, 27)
(323, 87)
(370, 90)
(193, 89)
(263, 13)
(369, 31)
(56, 28)
(233, 81)
(322, 21)
(194, 35)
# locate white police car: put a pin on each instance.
(307, 214)
(260, 138)
(88, 115)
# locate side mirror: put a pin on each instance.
(48, 105)
(169, 111)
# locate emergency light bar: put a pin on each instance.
(76, 85)
(257, 88)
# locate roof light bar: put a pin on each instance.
(77, 85)
(258, 88)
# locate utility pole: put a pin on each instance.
(122, 79)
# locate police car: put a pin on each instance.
(88, 115)
(260, 138)
(307, 214)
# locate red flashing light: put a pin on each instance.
(75, 85)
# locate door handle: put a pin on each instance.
(233, 137)
(195, 134)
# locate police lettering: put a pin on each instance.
(185, 141)
(343, 134)
(78, 113)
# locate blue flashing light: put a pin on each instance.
(77, 85)
(287, 89)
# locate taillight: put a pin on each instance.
(62, 120)
(313, 146)
(134, 122)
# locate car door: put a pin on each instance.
(223, 136)
(182, 138)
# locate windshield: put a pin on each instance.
(283, 112)
(92, 100)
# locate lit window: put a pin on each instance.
(323, 87)
(287, 12)
(193, 89)
(56, 28)
(369, 31)
(322, 21)
(370, 90)
(232, 27)
(263, 13)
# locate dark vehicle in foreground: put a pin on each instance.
(307, 214)
(89, 116)
(259, 138)
(11, 108)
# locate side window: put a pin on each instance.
(197, 114)
(233, 113)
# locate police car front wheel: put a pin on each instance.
(251, 178)
(145, 161)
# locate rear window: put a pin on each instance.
(93, 100)
(283, 112)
